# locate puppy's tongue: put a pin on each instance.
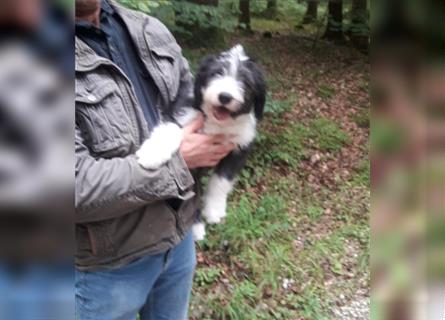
(221, 113)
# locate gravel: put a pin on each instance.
(354, 310)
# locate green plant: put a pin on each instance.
(358, 28)
(206, 276)
(147, 6)
(183, 16)
(201, 16)
(280, 147)
(278, 107)
(362, 118)
(310, 305)
(314, 212)
(362, 177)
(325, 92)
(248, 221)
(327, 135)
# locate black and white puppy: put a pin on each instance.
(230, 91)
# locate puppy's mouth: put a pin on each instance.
(221, 113)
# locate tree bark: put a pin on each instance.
(311, 12)
(244, 18)
(272, 8)
(334, 28)
(271, 4)
(360, 25)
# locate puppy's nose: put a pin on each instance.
(225, 97)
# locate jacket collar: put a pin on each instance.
(106, 6)
(86, 57)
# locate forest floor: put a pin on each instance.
(295, 243)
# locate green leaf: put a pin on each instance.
(337, 268)
(143, 7)
(153, 4)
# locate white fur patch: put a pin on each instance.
(215, 198)
(235, 56)
(199, 231)
(239, 53)
(226, 84)
(186, 116)
(159, 148)
(241, 129)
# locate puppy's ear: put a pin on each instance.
(201, 79)
(259, 91)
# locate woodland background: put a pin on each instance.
(296, 242)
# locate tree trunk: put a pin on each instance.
(271, 11)
(244, 18)
(311, 12)
(271, 4)
(334, 28)
(360, 25)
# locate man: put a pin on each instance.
(135, 253)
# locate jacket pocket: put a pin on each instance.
(183, 178)
(167, 59)
(104, 120)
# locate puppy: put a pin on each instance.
(230, 91)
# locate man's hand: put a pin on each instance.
(202, 150)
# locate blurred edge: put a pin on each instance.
(408, 160)
(36, 159)
(37, 178)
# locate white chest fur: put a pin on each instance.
(241, 129)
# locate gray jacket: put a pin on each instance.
(121, 212)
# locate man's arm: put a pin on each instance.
(197, 149)
(107, 188)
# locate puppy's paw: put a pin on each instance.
(214, 212)
(199, 231)
(158, 149)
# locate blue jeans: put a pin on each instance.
(157, 287)
(37, 291)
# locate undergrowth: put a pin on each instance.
(287, 249)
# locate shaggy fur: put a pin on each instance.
(230, 91)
